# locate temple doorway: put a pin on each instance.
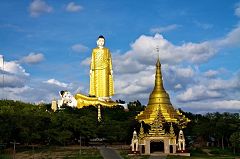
(143, 149)
(157, 146)
(171, 149)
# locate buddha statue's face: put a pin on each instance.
(100, 42)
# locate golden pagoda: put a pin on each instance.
(159, 103)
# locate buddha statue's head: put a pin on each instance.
(100, 41)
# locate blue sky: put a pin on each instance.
(46, 46)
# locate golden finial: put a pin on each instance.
(158, 56)
(141, 132)
(171, 131)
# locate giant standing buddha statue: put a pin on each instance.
(101, 78)
(101, 72)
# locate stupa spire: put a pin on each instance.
(158, 78)
(159, 103)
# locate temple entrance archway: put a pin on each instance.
(156, 146)
(171, 148)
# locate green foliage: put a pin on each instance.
(5, 156)
(197, 152)
(235, 140)
(36, 124)
(213, 127)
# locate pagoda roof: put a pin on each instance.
(159, 102)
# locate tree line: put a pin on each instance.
(37, 124)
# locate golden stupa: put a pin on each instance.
(159, 103)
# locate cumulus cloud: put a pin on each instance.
(79, 48)
(221, 84)
(164, 28)
(129, 84)
(17, 93)
(213, 106)
(144, 50)
(237, 10)
(198, 93)
(38, 7)
(40, 91)
(177, 77)
(33, 58)
(56, 82)
(14, 74)
(211, 88)
(230, 40)
(73, 7)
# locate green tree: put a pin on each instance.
(235, 140)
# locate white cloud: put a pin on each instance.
(16, 93)
(187, 72)
(33, 58)
(165, 28)
(57, 83)
(220, 84)
(178, 86)
(12, 67)
(230, 40)
(79, 48)
(211, 73)
(129, 84)
(19, 85)
(144, 51)
(237, 10)
(197, 93)
(1, 61)
(213, 106)
(14, 74)
(176, 76)
(39, 91)
(73, 7)
(38, 7)
(211, 88)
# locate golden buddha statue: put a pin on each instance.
(101, 72)
(101, 79)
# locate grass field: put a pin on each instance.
(73, 152)
(56, 152)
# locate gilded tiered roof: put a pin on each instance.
(159, 103)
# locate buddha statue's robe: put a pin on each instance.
(101, 78)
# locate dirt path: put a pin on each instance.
(109, 153)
